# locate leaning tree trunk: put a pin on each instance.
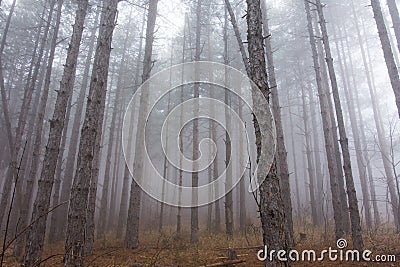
(24, 212)
(23, 115)
(335, 140)
(271, 203)
(132, 226)
(351, 191)
(37, 231)
(101, 228)
(61, 213)
(354, 127)
(394, 14)
(74, 244)
(387, 51)
(379, 128)
(4, 100)
(327, 127)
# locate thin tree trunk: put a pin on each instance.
(379, 129)
(37, 231)
(296, 176)
(4, 100)
(125, 184)
(351, 191)
(318, 172)
(165, 163)
(107, 174)
(228, 143)
(132, 229)
(116, 171)
(194, 212)
(282, 165)
(310, 166)
(356, 136)
(57, 181)
(334, 129)
(387, 49)
(24, 212)
(394, 14)
(22, 119)
(327, 127)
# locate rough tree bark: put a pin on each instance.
(271, 203)
(36, 233)
(101, 227)
(281, 156)
(75, 237)
(61, 214)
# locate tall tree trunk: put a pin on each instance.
(335, 136)
(379, 128)
(351, 191)
(387, 50)
(271, 203)
(4, 100)
(116, 171)
(354, 127)
(242, 183)
(194, 212)
(107, 174)
(22, 118)
(310, 167)
(24, 212)
(132, 229)
(92, 199)
(327, 127)
(165, 163)
(37, 231)
(74, 244)
(282, 166)
(228, 140)
(62, 212)
(125, 184)
(57, 179)
(296, 175)
(317, 159)
(394, 14)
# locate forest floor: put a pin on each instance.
(165, 250)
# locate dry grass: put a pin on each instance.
(164, 249)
